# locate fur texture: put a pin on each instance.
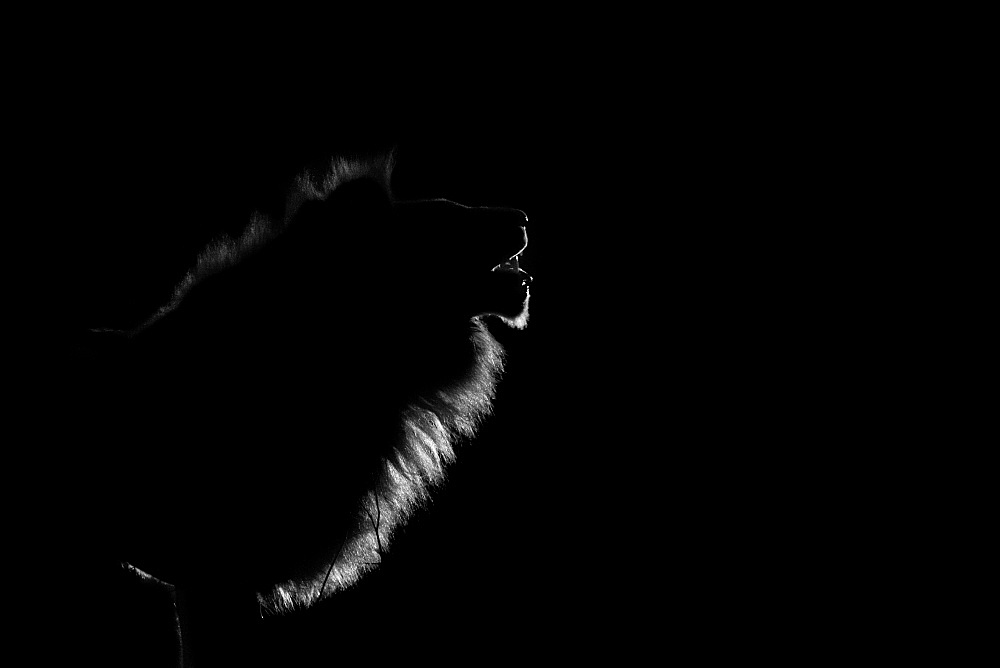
(306, 385)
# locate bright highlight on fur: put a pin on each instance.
(416, 464)
(431, 422)
(226, 252)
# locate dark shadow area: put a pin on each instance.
(639, 477)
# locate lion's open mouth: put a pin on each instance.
(512, 266)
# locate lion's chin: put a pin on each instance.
(520, 320)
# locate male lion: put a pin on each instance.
(298, 396)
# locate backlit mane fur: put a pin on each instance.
(429, 427)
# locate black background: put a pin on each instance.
(695, 443)
(638, 476)
(665, 460)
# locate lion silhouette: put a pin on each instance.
(300, 395)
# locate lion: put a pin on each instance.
(301, 394)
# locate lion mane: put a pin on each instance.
(429, 428)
